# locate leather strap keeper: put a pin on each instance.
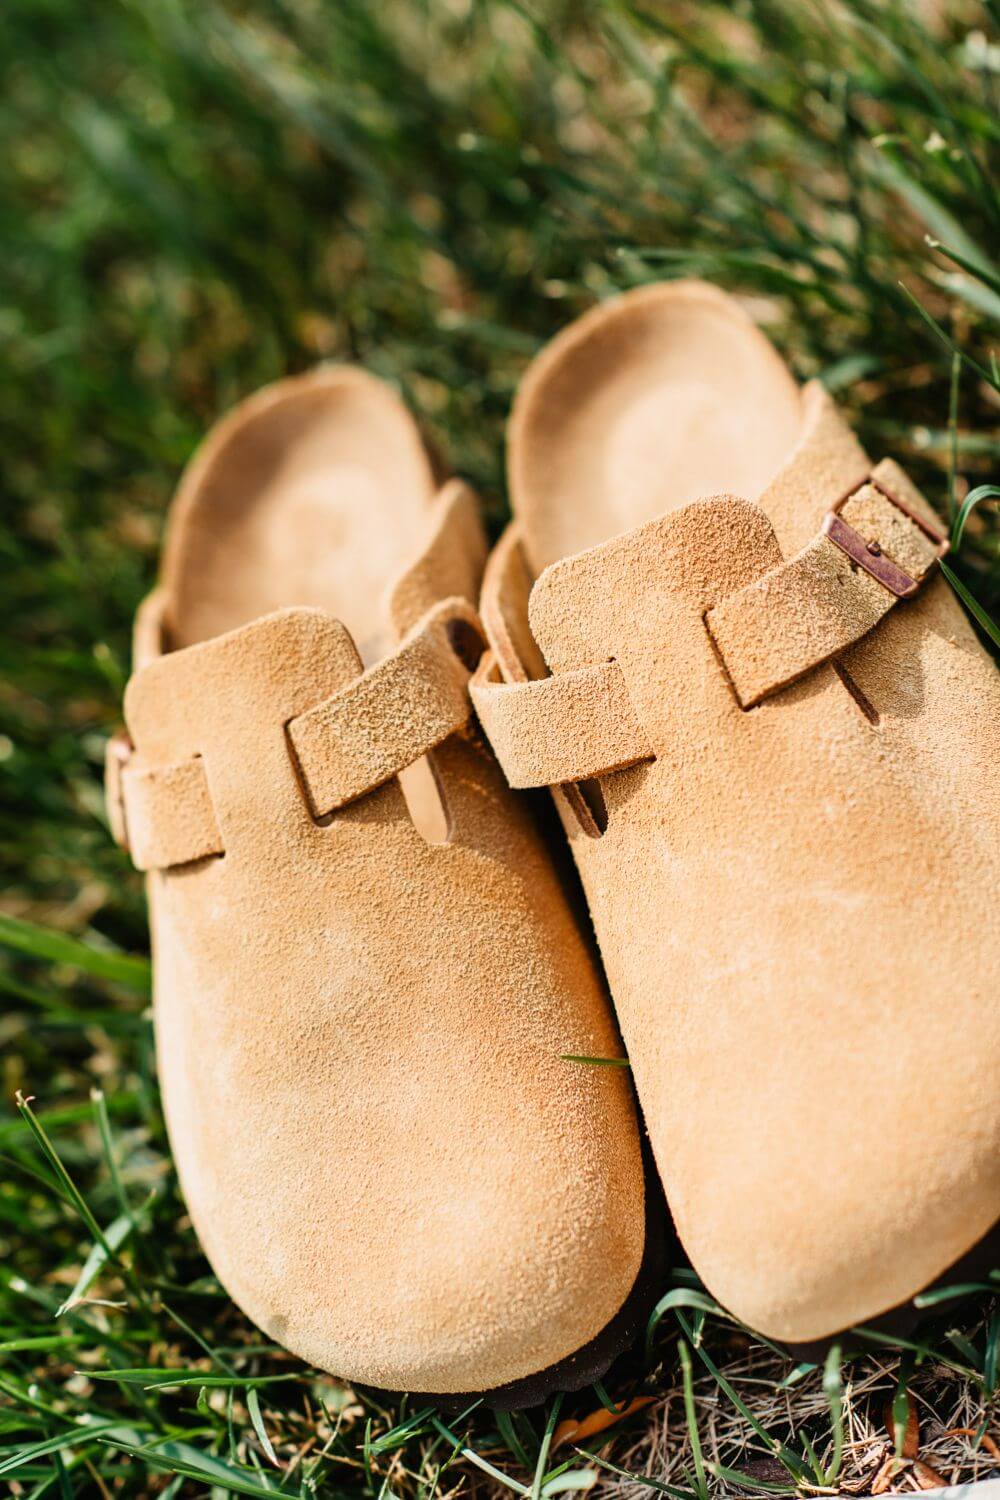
(559, 729)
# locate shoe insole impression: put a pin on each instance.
(666, 395)
(314, 492)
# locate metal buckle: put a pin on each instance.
(117, 754)
(869, 555)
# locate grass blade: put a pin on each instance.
(204, 1468)
(57, 948)
(596, 1062)
(658, 1485)
(975, 609)
(253, 1407)
(543, 1451)
(694, 1439)
(472, 1457)
(115, 1236)
(833, 1389)
(77, 1437)
(972, 499)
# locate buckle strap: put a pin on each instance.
(392, 714)
(554, 730)
(877, 545)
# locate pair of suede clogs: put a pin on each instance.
(779, 775)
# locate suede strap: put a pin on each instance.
(162, 816)
(559, 729)
(393, 714)
(821, 601)
(383, 721)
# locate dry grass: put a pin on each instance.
(949, 1407)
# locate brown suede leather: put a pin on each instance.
(794, 900)
(361, 1032)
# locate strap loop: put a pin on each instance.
(554, 730)
(163, 815)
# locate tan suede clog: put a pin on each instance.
(367, 977)
(780, 777)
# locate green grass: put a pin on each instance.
(197, 197)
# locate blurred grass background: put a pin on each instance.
(196, 198)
